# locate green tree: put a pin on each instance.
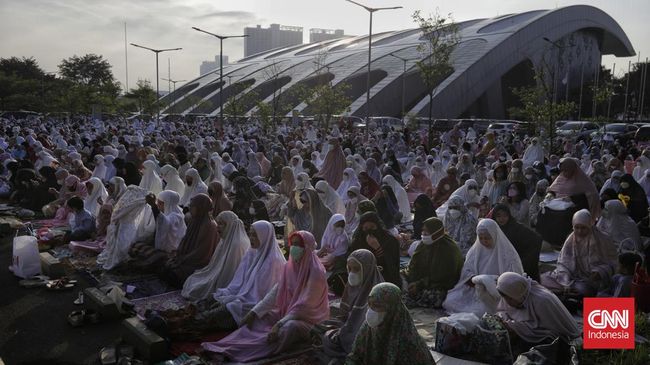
(24, 85)
(143, 96)
(239, 101)
(91, 83)
(440, 38)
(324, 99)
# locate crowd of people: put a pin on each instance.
(259, 227)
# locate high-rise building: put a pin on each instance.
(207, 66)
(262, 39)
(319, 35)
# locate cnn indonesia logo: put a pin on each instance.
(608, 323)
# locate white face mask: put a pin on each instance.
(514, 169)
(251, 211)
(374, 319)
(338, 230)
(426, 240)
(625, 185)
(529, 177)
(472, 193)
(355, 278)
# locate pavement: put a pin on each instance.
(34, 327)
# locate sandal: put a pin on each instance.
(61, 284)
(34, 282)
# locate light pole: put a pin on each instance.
(557, 62)
(221, 38)
(371, 11)
(174, 92)
(157, 51)
(405, 60)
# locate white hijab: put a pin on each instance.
(260, 269)
(219, 272)
(329, 197)
(99, 191)
(170, 223)
(336, 244)
(150, 179)
(349, 180)
(100, 168)
(172, 179)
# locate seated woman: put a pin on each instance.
(526, 241)
(460, 223)
(72, 186)
(259, 271)
(227, 255)
(371, 236)
(446, 186)
(423, 207)
(419, 183)
(388, 336)
(517, 202)
(434, 268)
(351, 209)
(532, 313)
(170, 229)
(363, 275)
(198, 244)
(335, 242)
(220, 202)
(97, 195)
(638, 202)
(573, 181)
(287, 313)
(312, 216)
(586, 262)
(616, 222)
(491, 255)
(387, 208)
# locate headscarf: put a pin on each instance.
(638, 202)
(170, 224)
(260, 269)
(534, 153)
(329, 197)
(435, 266)
(265, 164)
(618, 225)
(100, 168)
(336, 244)
(349, 180)
(99, 192)
(332, 168)
(419, 183)
(396, 340)
(118, 188)
(224, 262)
(541, 315)
(288, 183)
(253, 169)
(351, 206)
(354, 302)
(578, 183)
(369, 187)
(172, 180)
(220, 201)
(150, 179)
(319, 214)
(401, 196)
(302, 182)
(424, 210)
(200, 240)
(110, 168)
(581, 256)
(197, 187)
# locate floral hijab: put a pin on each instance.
(395, 340)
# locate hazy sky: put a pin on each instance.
(51, 30)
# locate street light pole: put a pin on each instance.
(557, 62)
(221, 38)
(371, 11)
(405, 60)
(157, 51)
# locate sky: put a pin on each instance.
(52, 30)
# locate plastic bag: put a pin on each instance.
(464, 322)
(453, 333)
(26, 260)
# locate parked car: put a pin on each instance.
(576, 130)
(642, 136)
(615, 130)
(502, 128)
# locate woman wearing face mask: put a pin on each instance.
(388, 336)
(351, 209)
(287, 313)
(335, 242)
(638, 204)
(460, 224)
(517, 203)
(531, 313)
(469, 192)
(423, 210)
(434, 267)
(329, 197)
(312, 215)
(371, 236)
(387, 208)
(491, 255)
(586, 262)
(349, 180)
(363, 275)
(613, 183)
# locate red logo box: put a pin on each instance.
(608, 323)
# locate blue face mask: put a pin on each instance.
(296, 253)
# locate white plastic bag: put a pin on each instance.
(463, 322)
(26, 260)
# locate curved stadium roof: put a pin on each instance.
(488, 50)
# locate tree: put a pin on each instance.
(440, 37)
(143, 96)
(91, 82)
(238, 100)
(23, 84)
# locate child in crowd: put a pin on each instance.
(83, 227)
(621, 282)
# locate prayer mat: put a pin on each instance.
(161, 302)
(147, 287)
(191, 348)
